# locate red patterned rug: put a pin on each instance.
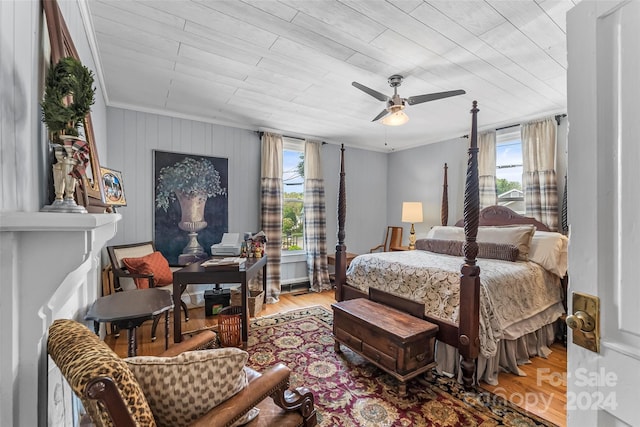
(351, 392)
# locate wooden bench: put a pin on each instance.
(398, 343)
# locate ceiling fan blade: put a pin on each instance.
(413, 100)
(381, 115)
(377, 95)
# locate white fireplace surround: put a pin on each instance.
(50, 267)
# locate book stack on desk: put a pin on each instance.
(226, 264)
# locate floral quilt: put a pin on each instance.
(509, 291)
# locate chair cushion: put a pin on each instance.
(81, 356)
(181, 389)
(155, 264)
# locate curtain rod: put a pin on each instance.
(260, 133)
(558, 118)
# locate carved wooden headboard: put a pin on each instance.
(501, 215)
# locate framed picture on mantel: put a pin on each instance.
(190, 205)
(113, 187)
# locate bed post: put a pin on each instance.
(444, 210)
(469, 342)
(341, 248)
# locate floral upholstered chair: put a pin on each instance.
(183, 386)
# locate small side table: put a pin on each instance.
(129, 309)
(331, 260)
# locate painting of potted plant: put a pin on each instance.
(191, 209)
(68, 97)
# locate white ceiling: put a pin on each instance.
(287, 66)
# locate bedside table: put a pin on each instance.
(331, 260)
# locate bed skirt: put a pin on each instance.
(510, 354)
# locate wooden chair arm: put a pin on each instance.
(376, 248)
(119, 273)
(196, 342)
(272, 382)
(104, 390)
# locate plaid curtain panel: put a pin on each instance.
(315, 235)
(487, 190)
(315, 218)
(487, 169)
(539, 176)
(271, 189)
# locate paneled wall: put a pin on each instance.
(134, 135)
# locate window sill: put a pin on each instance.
(292, 256)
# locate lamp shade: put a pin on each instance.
(412, 212)
(396, 118)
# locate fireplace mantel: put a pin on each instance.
(50, 267)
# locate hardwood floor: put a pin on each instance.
(542, 391)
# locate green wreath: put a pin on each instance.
(67, 78)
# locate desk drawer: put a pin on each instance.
(379, 357)
(345, 337)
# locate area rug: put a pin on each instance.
(351, 392)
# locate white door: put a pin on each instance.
(604, 207)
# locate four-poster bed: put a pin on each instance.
(472, 315)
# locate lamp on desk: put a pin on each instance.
(412, 212)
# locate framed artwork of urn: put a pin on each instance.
(191, 209)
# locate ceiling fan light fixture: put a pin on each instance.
(396, 118)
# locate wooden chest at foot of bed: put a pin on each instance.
(398, 343)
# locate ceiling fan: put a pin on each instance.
(393, 114)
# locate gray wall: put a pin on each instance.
(132, 137)
(416, 175)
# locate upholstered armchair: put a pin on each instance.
(145, 268)
(181, 387)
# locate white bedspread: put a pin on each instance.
(511, 293)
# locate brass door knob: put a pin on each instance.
(582, 321)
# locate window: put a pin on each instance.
(293, 193)
(509, 169)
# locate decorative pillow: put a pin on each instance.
(181, 389)
(442, 232)
(154, 263)
(503, 251)
(518, 235)
(448, 247)
(500, 251)
(549, 249)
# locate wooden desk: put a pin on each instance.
(128, 309)
(196, 274)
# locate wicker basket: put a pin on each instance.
(230, 326)
(255, 300)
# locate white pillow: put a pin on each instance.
(549, 249)
(442, 232)
(517, 235)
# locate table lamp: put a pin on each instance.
(412, 213)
